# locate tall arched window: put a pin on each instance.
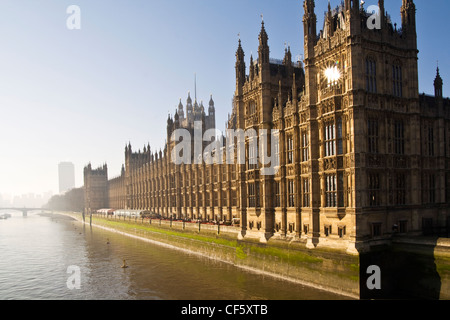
(397, 80)
(371, 75)
(251, 107)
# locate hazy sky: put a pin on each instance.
(80, 95)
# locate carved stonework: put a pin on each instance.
(349, 160)
(329, 164)
(290, 170)
(302, 117)
(288, 122)
(305, 168)
(376, 160)
(252, 120)
(278, 173)
(400, 162)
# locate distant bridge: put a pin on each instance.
(24, 210)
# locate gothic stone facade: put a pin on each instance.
(361, 155)
(95, 188)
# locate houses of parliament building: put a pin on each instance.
(362, 154)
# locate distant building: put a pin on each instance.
(95, 188)
(66, 172)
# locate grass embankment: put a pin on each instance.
(147, 229)
(243, 248)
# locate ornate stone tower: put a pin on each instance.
(269, 83)
(95, 188)
(361, 103)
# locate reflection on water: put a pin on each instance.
(36, 252)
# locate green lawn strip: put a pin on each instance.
(292, 256)
(129, 225)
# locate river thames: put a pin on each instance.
(40, 253)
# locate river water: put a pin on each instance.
(55, 257)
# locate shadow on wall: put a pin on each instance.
(406, 271)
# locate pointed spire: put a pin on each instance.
(309, 27)
(263, 49)
(309, 6)
(408, 13)
(180, 110)
(287, 56)
(240, 66)
(195, 105)
(189, 100)
(381, 6)
(211, 109)
(438, 84)
(263, 37)
(240, 52)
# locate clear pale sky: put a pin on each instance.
(81, 95)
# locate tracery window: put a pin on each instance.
(371, 75)
(397, 80)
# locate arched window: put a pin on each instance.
(371, 75)
(397, 80)
(251, 109)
